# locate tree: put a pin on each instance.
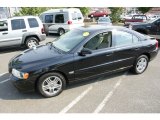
(31, 11)
(144, 9)
(84, 10)
(115, 13)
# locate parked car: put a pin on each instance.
(80, 54)
(62, 20)
(98, 13)
(104, 21)
(24, 30)
(151, 28)
(135, 18)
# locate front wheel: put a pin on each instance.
(51, 84)
(140, 64)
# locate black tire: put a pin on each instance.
(43, 79)
(61, 31)
(135, 66)
(28, 40)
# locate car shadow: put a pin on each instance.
(9, 92)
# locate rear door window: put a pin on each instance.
(48, 18)
(122, 38)
(74, 16)
(18, 24)
(59, 18)
(33, 22)
(79, 15)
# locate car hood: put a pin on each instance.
(33, 57)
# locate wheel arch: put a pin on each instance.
(55, 71)
(25, 37)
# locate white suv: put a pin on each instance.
(24, 30)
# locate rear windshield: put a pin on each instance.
(69, 40)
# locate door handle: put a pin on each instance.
(136, 48)
(24, 30)
(109, 54)
(5, 33)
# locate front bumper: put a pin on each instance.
(23, 85)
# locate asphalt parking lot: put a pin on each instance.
(122, 92)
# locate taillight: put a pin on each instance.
(157, 44)
(42, 30)
(69, 22)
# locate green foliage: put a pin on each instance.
(84, 10)
(115, 13)
(31, 11)
(144, 9)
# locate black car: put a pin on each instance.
(79, 54)
(151, 28)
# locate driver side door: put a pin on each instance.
(100, 59)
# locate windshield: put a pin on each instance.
(104, 19)
(70, 39)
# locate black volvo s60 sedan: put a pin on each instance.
(79, 54)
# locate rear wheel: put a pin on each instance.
(51, 84)
(31, 42)
(140, 64)
(61, 31)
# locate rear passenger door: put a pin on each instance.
(33, 25)
(127, 46)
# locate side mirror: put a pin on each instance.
(85, 51)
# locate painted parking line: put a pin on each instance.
(3, 74)
(68, 107)
(4, 81)
(110, 94)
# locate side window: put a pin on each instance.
(74, 16)
(135, 39)
(59, 18)
(100, 41)
(18, 24)
(3, 26)
(48, 18)
(79, 15)
(33, 22)
(122, 38)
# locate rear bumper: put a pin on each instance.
(42, 37)
(153, 54)
(23, 85)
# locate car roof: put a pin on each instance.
(97, 28)
(22, 17)
(61, 10)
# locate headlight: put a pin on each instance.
(19, 74)
(130, 26)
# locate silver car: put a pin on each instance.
(104, 21)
